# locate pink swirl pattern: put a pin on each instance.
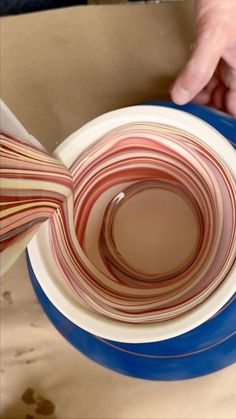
(125, 162)
(33, 186)
(127, 159)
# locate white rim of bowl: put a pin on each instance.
(46, 271)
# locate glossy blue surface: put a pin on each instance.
(201, 351)
(224, 123)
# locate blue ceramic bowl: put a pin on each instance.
(203, 350)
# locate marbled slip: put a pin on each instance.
(129, 160)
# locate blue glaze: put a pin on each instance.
(121, 357)
(201, 351)
(224, 123)
(209, 333)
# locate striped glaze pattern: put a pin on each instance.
(126, 160)
(143, 156)
(203, 350)
(33, 186)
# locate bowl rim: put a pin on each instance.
(46, 271)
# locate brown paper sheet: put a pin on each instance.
(60, 69)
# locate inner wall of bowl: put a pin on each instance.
(152, 230)
(95, 322)
(150, 158)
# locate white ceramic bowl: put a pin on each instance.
(42, 259)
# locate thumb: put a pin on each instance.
(201, 66)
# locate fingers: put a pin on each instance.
(213, 83)
(200, 67)
(210, 75)
(204, 97)
(213, 94)
(230, 102)
(218, 96)
(228, 74)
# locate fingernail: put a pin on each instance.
(180, 95)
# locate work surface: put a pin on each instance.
(60, 69)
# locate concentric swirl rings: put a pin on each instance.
(130, 158)
(83, 205)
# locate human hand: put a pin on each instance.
(209, 78)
